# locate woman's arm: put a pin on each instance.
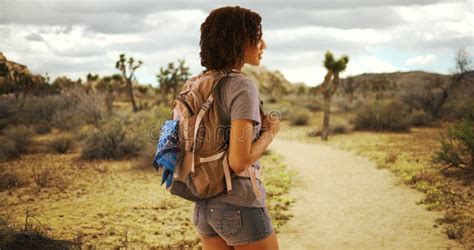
(242, 152)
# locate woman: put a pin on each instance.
(230, 38)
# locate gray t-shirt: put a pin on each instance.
(237, 98)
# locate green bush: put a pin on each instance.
(457, 147)
(62, 145)
(384, 115)
(111, 142)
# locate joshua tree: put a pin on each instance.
(172, 78)
(329, 87)
(128, 67)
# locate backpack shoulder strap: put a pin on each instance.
(204, 108)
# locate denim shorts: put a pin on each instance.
(236, 225)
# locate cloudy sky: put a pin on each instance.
(73, 38)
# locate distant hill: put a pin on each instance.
(408, 81)
(400, 79)
(269, 82)
(274, 82)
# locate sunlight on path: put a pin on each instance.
(343, 201)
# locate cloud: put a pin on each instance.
(81, 37)
(34, 37)
(355, 18)
(420, 60)
(312, 76)
(109, 16)
(322, 39)
(368, 64)
(5, 31)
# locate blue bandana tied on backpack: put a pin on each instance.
(168, 150)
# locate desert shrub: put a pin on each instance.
(21, 136)
(90, 107)
(9, 179)
(42, 175)
(84, 132)
(162, 112)
(111, 142)
(333, 129)
(40, 112)
(42, 128)
(8, 150)
(300, 118)
(68, 120)
(31, 237)
(420, 118)
(272, 99)
(391, 157)
(339, 129)
(143, 105)
(7, 109)
(314, 106)
(423, 96)
(66, 111)
(383, 115)
(145, 157)
(455, 231)
(457, 147)
(343, 104)
(62, 144)
(314, 133)
(461, 109)
(36, 110)
(4, 122)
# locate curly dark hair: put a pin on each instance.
(224, 35)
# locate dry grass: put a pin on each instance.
(104, 204)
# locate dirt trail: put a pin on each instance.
(343, 201)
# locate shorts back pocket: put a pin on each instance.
(227, 223)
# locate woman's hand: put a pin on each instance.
(271, 124)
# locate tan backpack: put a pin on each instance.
(202, 170)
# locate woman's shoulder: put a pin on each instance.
(240, 81)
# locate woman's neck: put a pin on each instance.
(238, 66)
